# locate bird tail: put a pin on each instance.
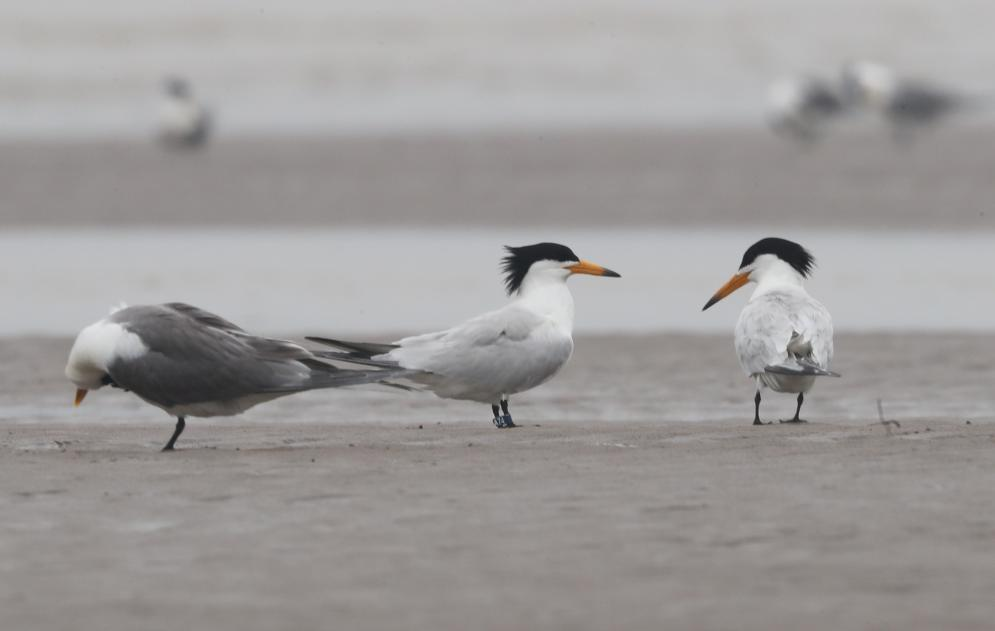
(362, 353)
(327, 376)
(800, 362)
(800, 367)
(365, 350)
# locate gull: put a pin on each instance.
(190, 362)
(906, 104)
(799, 107)
(493, 356)
(184, 123)
(784, 336)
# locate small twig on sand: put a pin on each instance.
(881, 419)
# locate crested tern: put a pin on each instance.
(493, 356)
(784, 336)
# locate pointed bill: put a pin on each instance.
(737, 281)
(587, 267)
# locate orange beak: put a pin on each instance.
(587, 267)
(80, 395)
(734, 283)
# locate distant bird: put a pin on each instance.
(799, 108)
(193, 363)
(784, 337)
(184, 122)
(906, 104)
(498, 354)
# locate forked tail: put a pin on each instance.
(356, 352)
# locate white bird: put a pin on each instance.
(193, 363)
(800, 107)
(498, 354)
(784, 336)
(906, 104)
(184, 122)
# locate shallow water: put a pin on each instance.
(359, 281)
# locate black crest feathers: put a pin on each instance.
(517, 262)
(788, 251)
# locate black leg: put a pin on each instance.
(180, 424)
(507, 415)
(798, 410)
(756, 413)
(498, 419)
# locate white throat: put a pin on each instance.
(545, 291)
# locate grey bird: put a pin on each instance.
(800, 107)
(906, 104)
(190, 362)
(184, 122)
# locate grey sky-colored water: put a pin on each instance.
(361, 281)
(311, 66)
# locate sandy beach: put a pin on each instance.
(636, 496)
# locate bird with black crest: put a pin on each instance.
(498, 354)
(784, 336)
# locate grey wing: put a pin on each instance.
(768, 323)
(508, 350)
(921, 101)
(194, 357)
(475, 338)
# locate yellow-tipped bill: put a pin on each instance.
(734, 283)
(587, 267)
(80, 395)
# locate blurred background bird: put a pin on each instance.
(184, 122)
(907, 105)
(800, 107)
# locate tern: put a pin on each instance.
(800, 107)
(190, 362)
(784, 336)
(493, 356)
(184, 123)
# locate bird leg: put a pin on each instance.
(498, 419)
(180, 425)
(507, 415)
(756, 413)
(801, 399)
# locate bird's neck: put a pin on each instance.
(779, 278)
(549, 297)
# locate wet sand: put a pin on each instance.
(609, 508)
(646, 177)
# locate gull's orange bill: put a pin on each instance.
(80, 395)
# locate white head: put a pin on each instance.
(868, 83)
(96, 348)
(768, 260)
(785, 97)
(533, 265)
